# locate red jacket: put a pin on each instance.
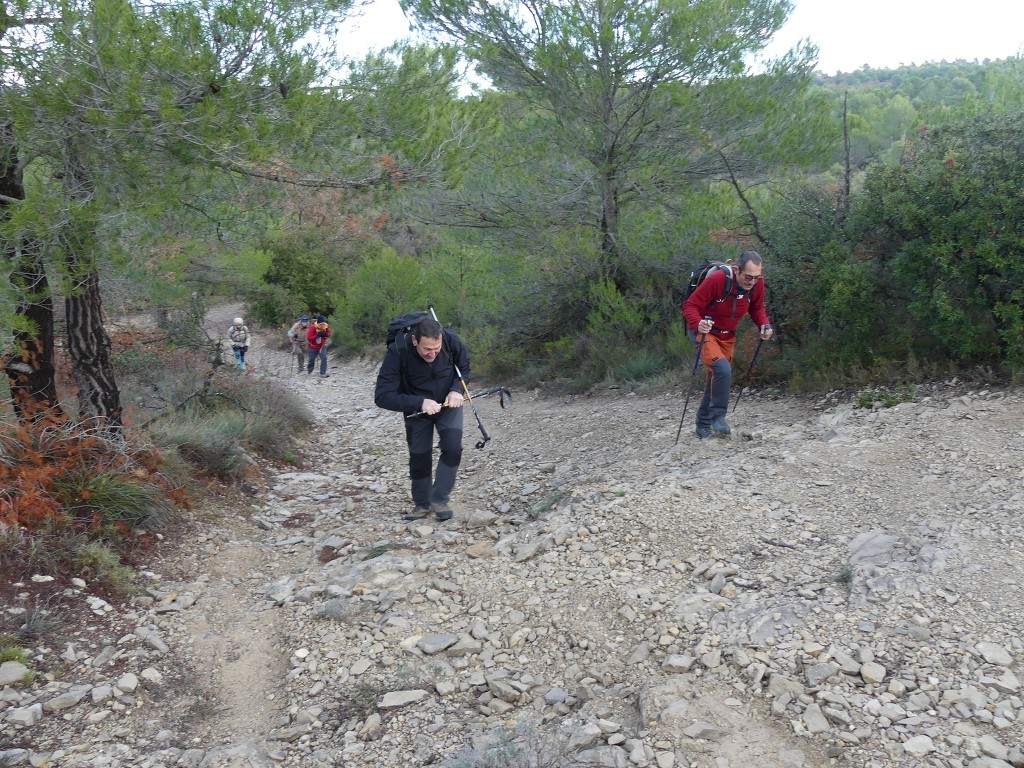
(726, 315)
(316, 341)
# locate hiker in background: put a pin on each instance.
(418, 376)
(725, 296)
(238, 334)
(297, 336)
(317, 335)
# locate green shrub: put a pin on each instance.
(273, 305)
(229, 416)
(113, 497)
(39, 622)
(885, 398)
(48, 550)
(10, 650)
(184, 325)
(137, 361)
(642, 366)
(213, 443)
(99, 563)
(381, 288)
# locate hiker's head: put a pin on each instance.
(749, 268)
(321, 319)
(238, 322)
(304, 320)
(427, 338)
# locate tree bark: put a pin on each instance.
(99, 399)
(29, 367)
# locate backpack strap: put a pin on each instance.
(730, 281)
(401, 346)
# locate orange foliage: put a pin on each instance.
(37, 459)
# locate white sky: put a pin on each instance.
(881, 33)
(888, 33)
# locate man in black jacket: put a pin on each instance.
(418, 376)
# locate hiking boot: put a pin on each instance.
(442, 511)
(703, 431)
(720, 426)
(418, 513)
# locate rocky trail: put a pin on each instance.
(830, 586)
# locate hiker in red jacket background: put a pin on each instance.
(317, 336)
(726, 295)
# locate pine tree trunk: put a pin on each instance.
(99, 400)
(30, 366)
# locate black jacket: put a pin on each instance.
(404, 390)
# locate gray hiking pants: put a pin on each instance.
(715, 402)
(419, 433)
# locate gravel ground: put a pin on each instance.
(829, 586)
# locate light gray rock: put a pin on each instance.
(14, 757)
(814, 719)
(397, 699)
(67, 699)
(12, 673)
(431, 644)
(700, 729)
(994, 653)
(872, 673)
(584, 737)
(780, 684)
(25, 716)
(606, 757)
(919, 746)
(677, 663)
(127, 683)
(817, 674)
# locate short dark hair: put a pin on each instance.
(429, 328)
(749, 257)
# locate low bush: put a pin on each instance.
(10, 650)
(216, 427)
(212, 444)
(73, 501)
(99, 563)
(643, 365)
(66, 475)
(884, 398)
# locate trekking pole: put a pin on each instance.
(501, 391)
(465, 389)
(746, 376)
(696, 362)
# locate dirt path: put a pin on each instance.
(830, 585)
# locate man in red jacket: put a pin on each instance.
(725, 295)
(317, 336)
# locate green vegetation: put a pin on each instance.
(884, 398)
(160, 157)
(10, 650)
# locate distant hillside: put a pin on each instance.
(945, 83)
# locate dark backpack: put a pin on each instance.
(701, 272)
(403, 325)
(398, 329)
